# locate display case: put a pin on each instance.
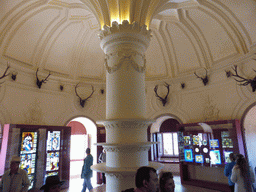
(204, 150)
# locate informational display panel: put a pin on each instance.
(28, 154)
(207, 148)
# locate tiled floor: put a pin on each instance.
(188, 188)
(76, 186)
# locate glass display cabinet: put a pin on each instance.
(204, 150)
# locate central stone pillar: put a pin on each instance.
(126, 127)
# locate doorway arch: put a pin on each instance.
(83, 135)
(165, 125)
(249, 126)
(155, 127)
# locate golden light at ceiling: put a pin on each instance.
(140, 11)
(119, 10)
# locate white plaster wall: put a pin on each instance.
(221, 99)
(21, 102)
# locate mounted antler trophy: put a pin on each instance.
(14, 76)
(40, 82)
(163, 99)
(5, 75)
(61, 87)
(183, 85)
(83, 101)
(204, 79)
(243, 81)
(228, 74)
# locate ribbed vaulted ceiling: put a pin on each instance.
(61, 36)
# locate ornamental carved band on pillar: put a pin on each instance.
(126, 55)
(126, 126)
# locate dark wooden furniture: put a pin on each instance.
(101, 138)
(198, 164)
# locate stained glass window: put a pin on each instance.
(28, 154)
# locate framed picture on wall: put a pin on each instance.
(188, 153)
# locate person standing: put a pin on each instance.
(86, 171)
(102, 159)
(15, 179)
(242, 176)
(228, 171)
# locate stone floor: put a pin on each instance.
(76, 186)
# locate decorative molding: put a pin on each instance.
(126, 124)
(124, 27)
(210, 112)
(125, 54)
(35, 114)
(127, 148)
(119, 175)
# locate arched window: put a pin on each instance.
(168, 140)
(169, 144)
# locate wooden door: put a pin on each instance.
(101, 138)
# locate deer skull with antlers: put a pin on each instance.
(40, 82)
(4, 75)
(204, 79)
(165, 99)
(83, 101)
(243, 81)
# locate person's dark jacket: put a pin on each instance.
(86, 170)
(228, 172)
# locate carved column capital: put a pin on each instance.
(124, 27)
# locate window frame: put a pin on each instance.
(161, 144)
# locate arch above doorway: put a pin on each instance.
(165, 124)
(169, 125)
(155, 127)
(84, 131)
(249, 126)
(77, 128)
